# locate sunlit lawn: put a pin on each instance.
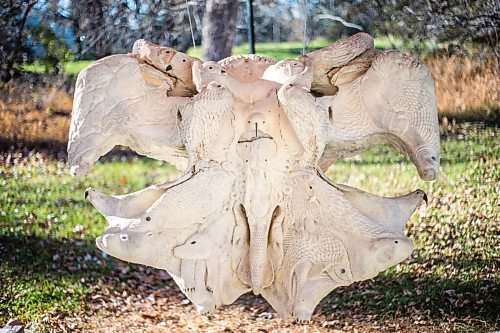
(50, 265)
(282, 50)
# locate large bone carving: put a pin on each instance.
(253, 210)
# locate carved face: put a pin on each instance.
(283, 70)
(135, 245)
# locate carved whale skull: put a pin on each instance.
(253, 210)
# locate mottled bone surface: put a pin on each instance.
(253, 210)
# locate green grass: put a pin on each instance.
(292, 50)
(50, 266)
(283, 50)
(70, 67)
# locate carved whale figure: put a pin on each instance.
(253, 210)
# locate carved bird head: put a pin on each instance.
(176, 65)
(155, 55)
(204, 73)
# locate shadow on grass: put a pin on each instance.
(40, 275)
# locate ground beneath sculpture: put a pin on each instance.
(50, 279)
(124, 309)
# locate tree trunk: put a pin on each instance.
(219, 28)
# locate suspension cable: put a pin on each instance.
(191, 28)
(304, 25)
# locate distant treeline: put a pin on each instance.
(51, 31)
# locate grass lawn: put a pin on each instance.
(52, 275)
(283, 50)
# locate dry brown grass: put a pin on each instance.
(467, 88)
(30, 114)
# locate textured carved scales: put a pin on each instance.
(253, 210)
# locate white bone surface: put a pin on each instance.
(253, 210)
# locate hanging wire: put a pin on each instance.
(304, 24)
(191, 27)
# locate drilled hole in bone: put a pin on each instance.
(124, 237)
(148, 218)
(342, 271)
(193, 242)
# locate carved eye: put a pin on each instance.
(210, 67)
(124, 237)
(183, 60)
(223, 71)
(148, 218)
(193, 242)
(342, 271)
(396, 242)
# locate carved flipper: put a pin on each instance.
(375, 98)
(133, 204)
(131, 100)
(398, 93)
(169, 221)
(391, 212)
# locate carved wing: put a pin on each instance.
(375, 97)
(131, 100)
